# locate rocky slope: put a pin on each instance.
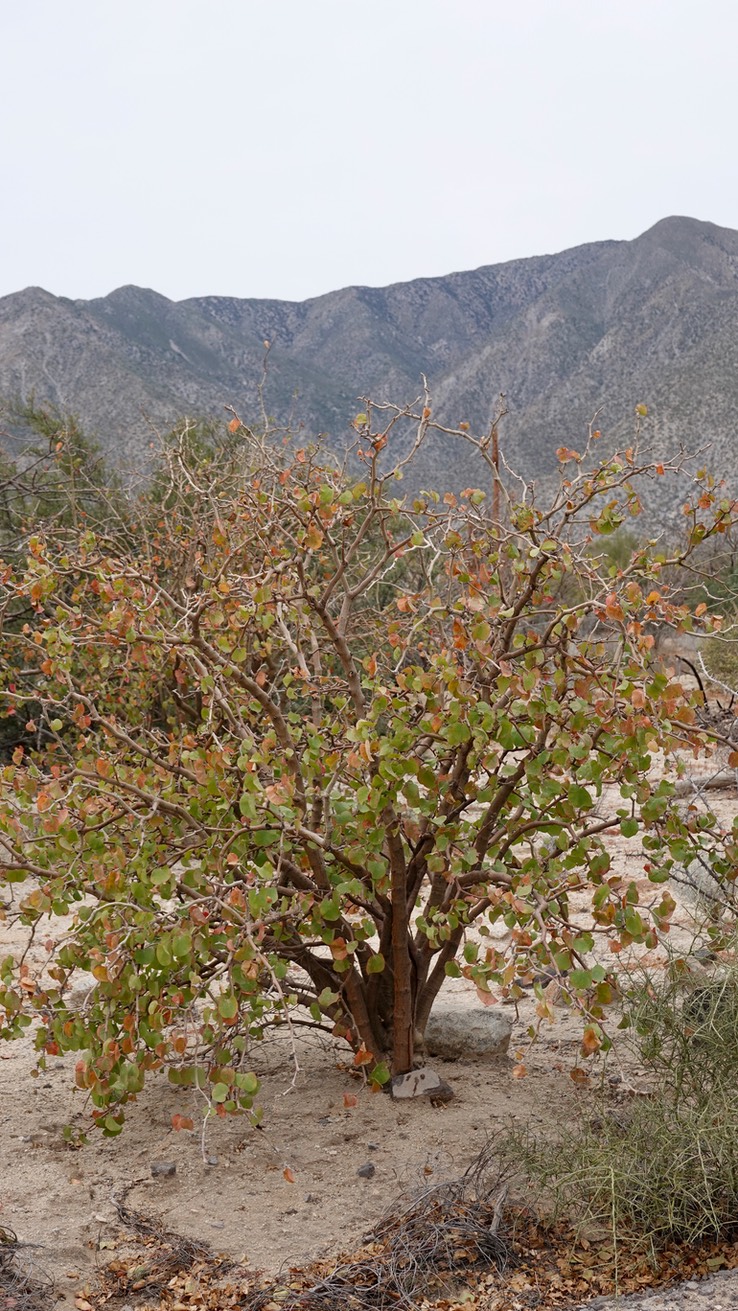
(603, 326)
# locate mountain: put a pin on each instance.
(603, 326)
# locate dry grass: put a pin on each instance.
(663, 1168)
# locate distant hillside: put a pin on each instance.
(604, 325)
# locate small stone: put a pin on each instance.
(211, 1160)
(372, 1147)
(367, 1171)
(217, 1224)
(312, 1199)
(164, 1168)
(418, 1083)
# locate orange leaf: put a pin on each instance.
(590, 1041)
(519, 1072)
(349, 1100)
(460, 638)
(288, 1175)
(182, 1122)
(234, 425)
(613, 608)
(578, 1077)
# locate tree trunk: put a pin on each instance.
(403, 1019)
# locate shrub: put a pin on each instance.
(303, 739)
(665, 1166)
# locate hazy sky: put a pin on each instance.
(289, 147)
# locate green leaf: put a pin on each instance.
(328, 997)
(380, 1074)
(220, 1092)
(264, 838)
(181, 945)
(457, 733)
(580, 797)
(163, 954)
(629, 827)
(375, 964)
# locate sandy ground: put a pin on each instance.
(242, 1203)
(230, 1187)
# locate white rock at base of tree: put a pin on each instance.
(420, 1083)
(453, 1032)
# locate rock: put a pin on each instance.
(421, 1083)
(163, 1168)
(453, 1032)
(499, 930)
(367, 1171)
(418, 1083)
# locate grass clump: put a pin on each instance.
(661, 1166)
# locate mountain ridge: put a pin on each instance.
(601, 326)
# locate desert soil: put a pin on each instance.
(290, 1191)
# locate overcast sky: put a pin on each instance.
(289, 147)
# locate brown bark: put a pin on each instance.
(403, 1019)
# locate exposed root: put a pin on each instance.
(168, 1252)
(22, 1286)
(443, 1233)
